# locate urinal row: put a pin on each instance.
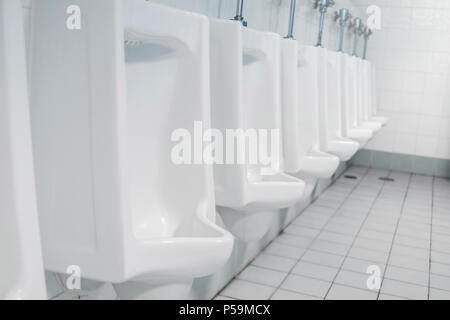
(121, 192)
(124, 211)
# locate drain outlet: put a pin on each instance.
(386, 179)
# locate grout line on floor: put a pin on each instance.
(328, 220)
(354, 239)
(395, 233)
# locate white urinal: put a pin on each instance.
(301, 123)
(373, 102)
(364, 98)
(350, 125)
(21, 267)
(105, 116)
(330, 113)
(245, 90)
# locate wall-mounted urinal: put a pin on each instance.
(21, 267)
(330, 106)
(245, 90)
(350, 122)
(373, 102)
(107, 112)
(303, 155)
(363, 107)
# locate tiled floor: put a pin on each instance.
(400, 228)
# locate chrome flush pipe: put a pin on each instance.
(367, 33)
(290, 34)
(239, 11)
(322, 5)
(356, 26)
(342, 16)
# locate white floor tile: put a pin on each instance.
(309, 286)
(405, 290)
(322, 258)
(244, 290)
(411, 242)
(436, 294)
(376, 235)
(223, 298)
(262, 276)
(290, 295)
(372, 244)
(440, 282)
(353, 279)
(315, 271)
(336, 237)
(407, 275)
(330, 247)
(409, 263)
(274, 262)
(340, 292)
(361, 266)
(440, 269)
(296, 241)
(286, 251)
(440, 257)
(383, 296)
(410, 252)
(370, 255)
(302, 231)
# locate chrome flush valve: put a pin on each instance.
(322, 5)
(342, 16)
(239, 13)
(357, 27)
(367, 33)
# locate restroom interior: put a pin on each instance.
(388, 206)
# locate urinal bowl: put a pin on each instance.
(250, 219)
(363, 136)
(330, 107)
(245, 96)
(382, 120)
(186, 259)
(318, 165)
(344, 149)
(125, 210)
(372, 125)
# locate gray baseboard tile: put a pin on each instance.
(402, 162)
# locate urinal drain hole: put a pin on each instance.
(350, 177)
(386, 179)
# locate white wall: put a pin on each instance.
(412, 54)
(273, 16)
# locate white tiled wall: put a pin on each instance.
(273, 16)
(412, 54)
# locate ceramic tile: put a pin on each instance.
(340, 292)
(309, 286)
